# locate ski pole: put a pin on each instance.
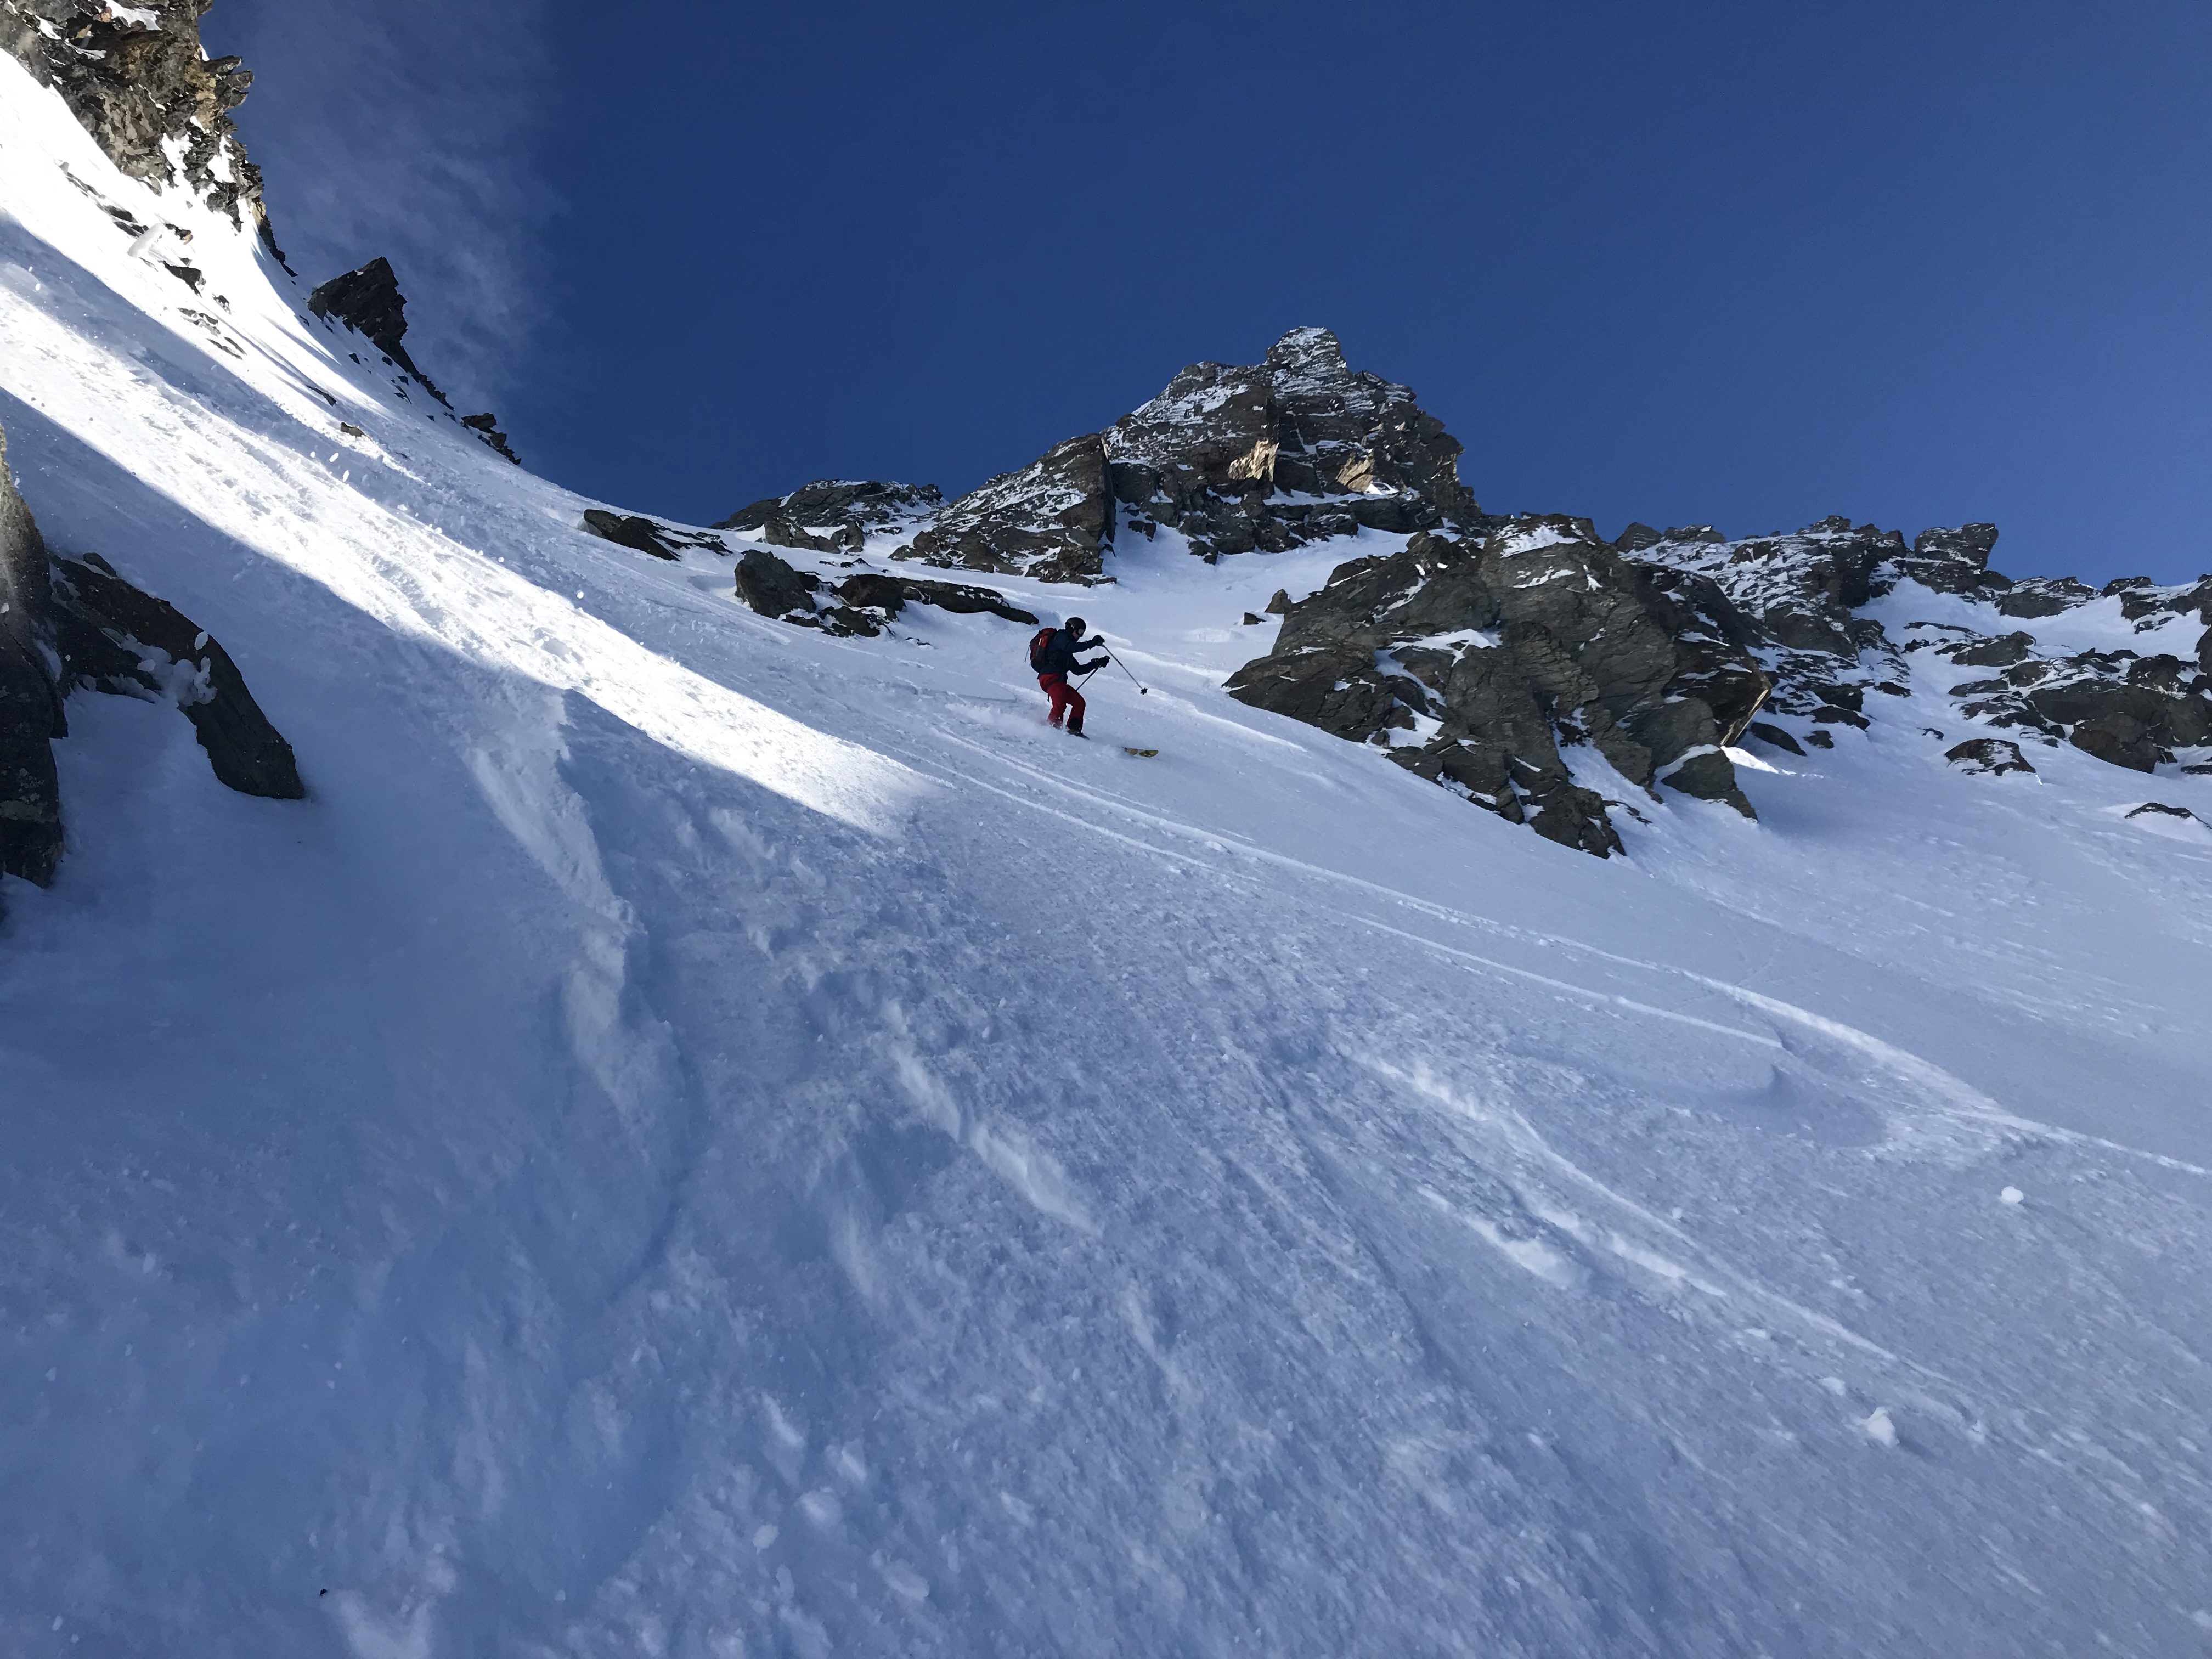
(1142, 690)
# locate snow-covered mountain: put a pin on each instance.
(552, 1110)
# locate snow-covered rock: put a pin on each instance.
(837, 516)
(1296, 449)
(139, 79)
(1836, 614)
(1482, 664)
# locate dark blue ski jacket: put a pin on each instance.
(1059, 654)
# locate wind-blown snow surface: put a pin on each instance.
(705, 1139)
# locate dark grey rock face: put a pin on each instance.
(30, 700)
(1474, 662)
(66, 623)
(867, 600)
(144, 93)
(641, 535)
(1800, 594)
(115, 638)
(486, 427)
(1053, 521)
(836, 515)
(1991, 756)
(1295, 449)
(1263, 458)
(772, 588)
(369, 301)
(1953, 561)
(1794, 598)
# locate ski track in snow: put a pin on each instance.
(702, 1139)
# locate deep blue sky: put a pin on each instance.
(1744, 263)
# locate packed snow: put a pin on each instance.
(702, 1137)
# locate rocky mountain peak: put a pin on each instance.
(1314, 351)
(369, 301)
(138, 80)
(1234, 459)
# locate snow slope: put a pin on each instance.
(704, 1138)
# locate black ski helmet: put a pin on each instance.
(1074, 625)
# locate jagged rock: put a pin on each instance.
(2005, 650)
(114, 637)
(1277, 605)
(486, 427)
(30, 701)
(1776, 736)
(1993, 757)
(150, 97)
(642, 535)
(1636, 539)
(772, 588)
(1295, 449)
(2044, 597)
(1951, 560)
(1800, 593)
(2154, 809)
(369, 301)
(1473, 662)
(1051, 521)
(1252, 620)
(837, 516)
(1292, 450)
(889, 594)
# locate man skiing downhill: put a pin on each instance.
(1052, 653)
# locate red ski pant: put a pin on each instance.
(1066, 700)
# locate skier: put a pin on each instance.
(1052, 653)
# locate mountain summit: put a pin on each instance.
(1296, 449)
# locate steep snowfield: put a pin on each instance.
(704, 1138)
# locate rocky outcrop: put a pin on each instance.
(1800, 595)
(644, 535)
(866, 602)
(486, 427)
(138, 79)
(836, 515)
(30, 699)
(70, 624)
(1295, 449)
(1992, 756)
(1485, 663)
(114, 637)
(1052, 521)
(1795, 599)
(1292, 450)
(369, 301)
(639, 534)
